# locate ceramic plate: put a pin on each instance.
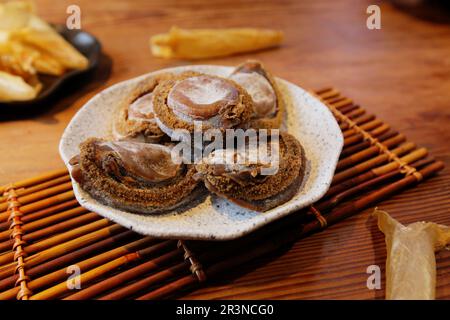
(213, 218)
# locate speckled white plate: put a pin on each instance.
(308, 119)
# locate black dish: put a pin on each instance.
(85, 43)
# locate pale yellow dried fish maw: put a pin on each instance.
(40, 60)
(15, 14)
(411, 263)
(18, 23)
(15, 62)
(209, 43)
(54, 45)
(14, 88)
(46, 64)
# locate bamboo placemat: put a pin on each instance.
(45, 235)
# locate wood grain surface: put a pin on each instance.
(401, 73)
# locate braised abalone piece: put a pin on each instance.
(135, 119)
(211, 101)
(134, 176)
(268, 103)
(254, 181)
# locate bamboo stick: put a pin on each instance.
(366, 153)
(41, 204)
(366, 127)
(368, 164)
(135, 287)
(346, 109)
(343, 185)
(384, 192)
(47, 221)
(18, 245)
(361, 187)
(349, 150)
(63, 248)
(170, 288)
(40, 194)
(359, 120)
(31, 237)
(42, 213)
(359, 137)
(46, 269)
(357, 113)
(73, 238)
(413, 156)
(340, 102)
(93, 274)
(70, 224)
(41, 186)
(35, 180)
(359, 117)
(125, 276)
(336, 100)
(58, 239)
(321, 91)
(357, 189)
(329, 94)
(86, 277)
(88, 264)
(380, 130)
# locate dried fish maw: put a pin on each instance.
(14, 88)
(46, 64)
(209, 43)
(54, 45)
(42, 61)
(15, 62)
(29, 58)
(17, 15)
(411, 263)
(19, 24)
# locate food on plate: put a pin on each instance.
(135, 119)
(252, 181)
(134, 176)
(210, 101)
(144, 168)
(268, 103)
(29, 46)
(208, 43)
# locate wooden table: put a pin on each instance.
(401, 73)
